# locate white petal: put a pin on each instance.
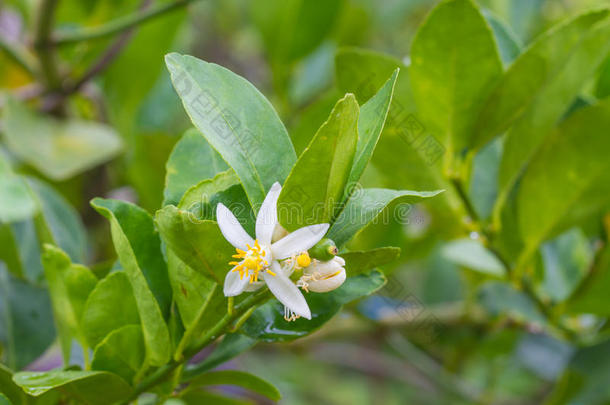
(323, 269)
(267, 215)
(298, 241)
(286, 292)
(231, 228)
(255, 286)
(234, 285)
(327, 284)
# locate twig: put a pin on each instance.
(118, 25)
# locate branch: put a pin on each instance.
(118, 25)
(162, 373)
(42, 43)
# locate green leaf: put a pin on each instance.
(591, 297)
(454, 68)
(121, 352)
(357, 262)
(59, 149)
(239, 378)
(501, 299)
(59, 220)
(365, 205)
(370, 124)
(484, 178)
(4, 400)
(552, 100)
(110, 306)
(231, 346)
(584, 380)
(26, 320)
(508, 43)
(198, 243)
(236, 120)
(563, 174)
(196, 397)
(9, 251)
(538, 76)
(11, 391)
(139, 249)
(69, 286)
(602, 87)
(90, 387)
(473, 255)
(17, 202)
(316, 185)
(566, 260)
(191, 161)
(291, 29)
(267, 323)
(407, 155)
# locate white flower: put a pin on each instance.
(323, 276)
(259, 258)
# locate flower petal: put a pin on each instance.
(234, 284)
(286, 292)
(298, 241)
(231, 228)
(327, 284)
(267, 215)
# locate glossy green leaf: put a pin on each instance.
(407, 155)
(240, 379)
(371, 120)
(121, 352)
(538, 75)
(365, 205)
(236, 120)
(110, 306)
(91, 387)
(267, 323)
(59, 149)
(69, 286)
(11, 391)
(315, 187)
(198, 243)
(357, 262)
(191, 161)
(473, 255)
(531, 131)
(231, 346)
(602, 87)
(561, 175)
(26, 320)
(454, 68)
(196, 397)
(139, 249)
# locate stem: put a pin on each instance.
(42, 43)
(118, 25)
(18, 55)
(459, 188)
(221, 326)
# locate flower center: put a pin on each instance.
(253, 262)
(303, 260)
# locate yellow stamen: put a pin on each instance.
(270, 272)
(303, 260)
(253, 262)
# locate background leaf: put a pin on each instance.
(122, 352)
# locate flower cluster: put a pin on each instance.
(272, 258)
